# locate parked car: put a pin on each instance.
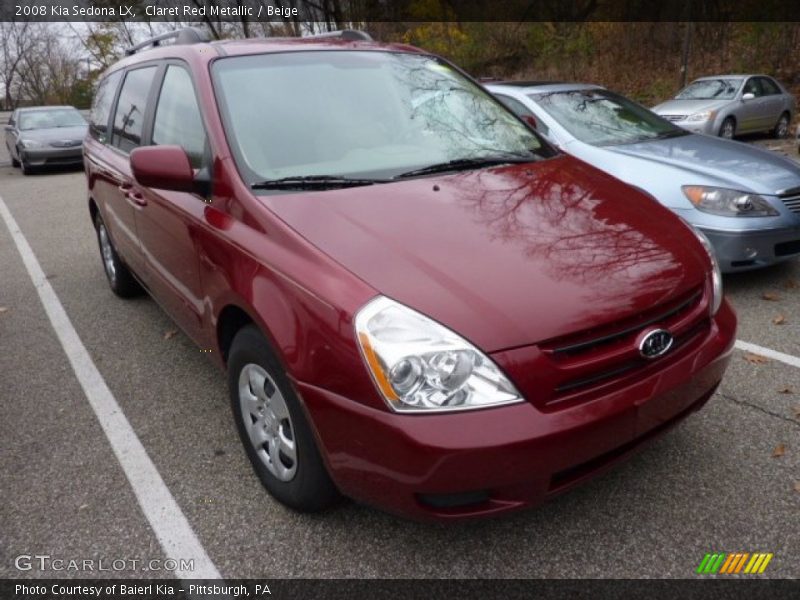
(420, 303)
(746, 200)
(45, 135)
(728, 105)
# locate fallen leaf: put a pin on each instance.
(786, 390)
(779, 320)
(755, 359)
(170, 334)
(771, 296)
(796, 410)
(83, 507)
(3, 309)
(790, 284)
(797, 486)
(779, 451)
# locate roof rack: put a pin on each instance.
(352, 35)
(187, 35)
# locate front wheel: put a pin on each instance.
(781, 129)
(273, 428)
(23, 164)
(728, 128)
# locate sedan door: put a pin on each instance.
(750, 113)
(167, 222)
(773, 102)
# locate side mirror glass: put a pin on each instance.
(164, 168)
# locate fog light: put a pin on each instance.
(750, 252)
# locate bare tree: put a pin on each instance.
(14, 43)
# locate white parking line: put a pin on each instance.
(793, 361)
(168, 522)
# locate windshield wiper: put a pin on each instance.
(313, 182)
(462, 164)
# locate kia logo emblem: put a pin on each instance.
(656, 343)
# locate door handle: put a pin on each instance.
(136, 197)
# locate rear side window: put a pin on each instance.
(129, 117)
(178, 119)
(769, 86)
(101, 107)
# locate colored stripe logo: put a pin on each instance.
(723, 563)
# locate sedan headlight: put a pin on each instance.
(716, 273)
(705, 115)
(31, 143)
(728, 203)
(421, 366)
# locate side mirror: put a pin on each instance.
(164, 168)
(8, 127)
(530, 120)
(748, 96)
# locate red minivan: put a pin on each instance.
(419, 303)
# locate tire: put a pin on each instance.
(781, 129)
(24, 166)
(14, 161)
(120, 279)
(728, 128)
(273, 427)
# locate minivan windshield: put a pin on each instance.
(50, 118)
(710, 89)
(315, 116)
(603, 118)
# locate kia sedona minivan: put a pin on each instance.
(419, 303)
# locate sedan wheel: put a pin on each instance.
(273, 426)
(782, 127)
(14, 161)
(728, 129)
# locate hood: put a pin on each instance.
(688, 107)
(55, 134)
(506, 256)
(704, 160)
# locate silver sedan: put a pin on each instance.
(727, 105)
(45, 135)
(745, 199)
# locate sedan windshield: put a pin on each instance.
(603, 118)
(47, 119)
(710, 89)
(345, 117)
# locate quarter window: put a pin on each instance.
(178, 119)
(519, 109)
(101, 107)
(129, 118)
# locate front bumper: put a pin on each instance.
(40, 157)
(485, 462)
(745, 250)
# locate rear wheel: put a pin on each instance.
(120, 279)
(273, 428)
(728, 128)
(781, 129)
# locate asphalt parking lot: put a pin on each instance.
(727, 479)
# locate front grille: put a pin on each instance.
(674, 117)
(599, 359)
(66, 143)
(792, 202)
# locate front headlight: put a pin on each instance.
(31, 143)
(728, 203)
(419, 365)
(705, 115)
(716, 273)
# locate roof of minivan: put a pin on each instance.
(536, 87)
(249, 46)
